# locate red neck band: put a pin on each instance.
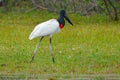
(61, 26)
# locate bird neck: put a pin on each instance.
(61, 21)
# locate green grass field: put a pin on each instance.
(91, 46)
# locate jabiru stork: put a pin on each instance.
(48, 28)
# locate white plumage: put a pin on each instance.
(45, 29)
(48, 28)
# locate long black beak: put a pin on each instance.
(66, 17)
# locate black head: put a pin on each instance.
(63, 14)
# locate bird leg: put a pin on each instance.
(35, 51)
(51, 49)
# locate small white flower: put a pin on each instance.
(60, 52)
(73, 49)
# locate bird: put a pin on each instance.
(48, 28)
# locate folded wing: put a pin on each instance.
(45, 29)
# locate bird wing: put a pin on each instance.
(44, 29)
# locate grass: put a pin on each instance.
(91, 46)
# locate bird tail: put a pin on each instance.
(31, 37)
